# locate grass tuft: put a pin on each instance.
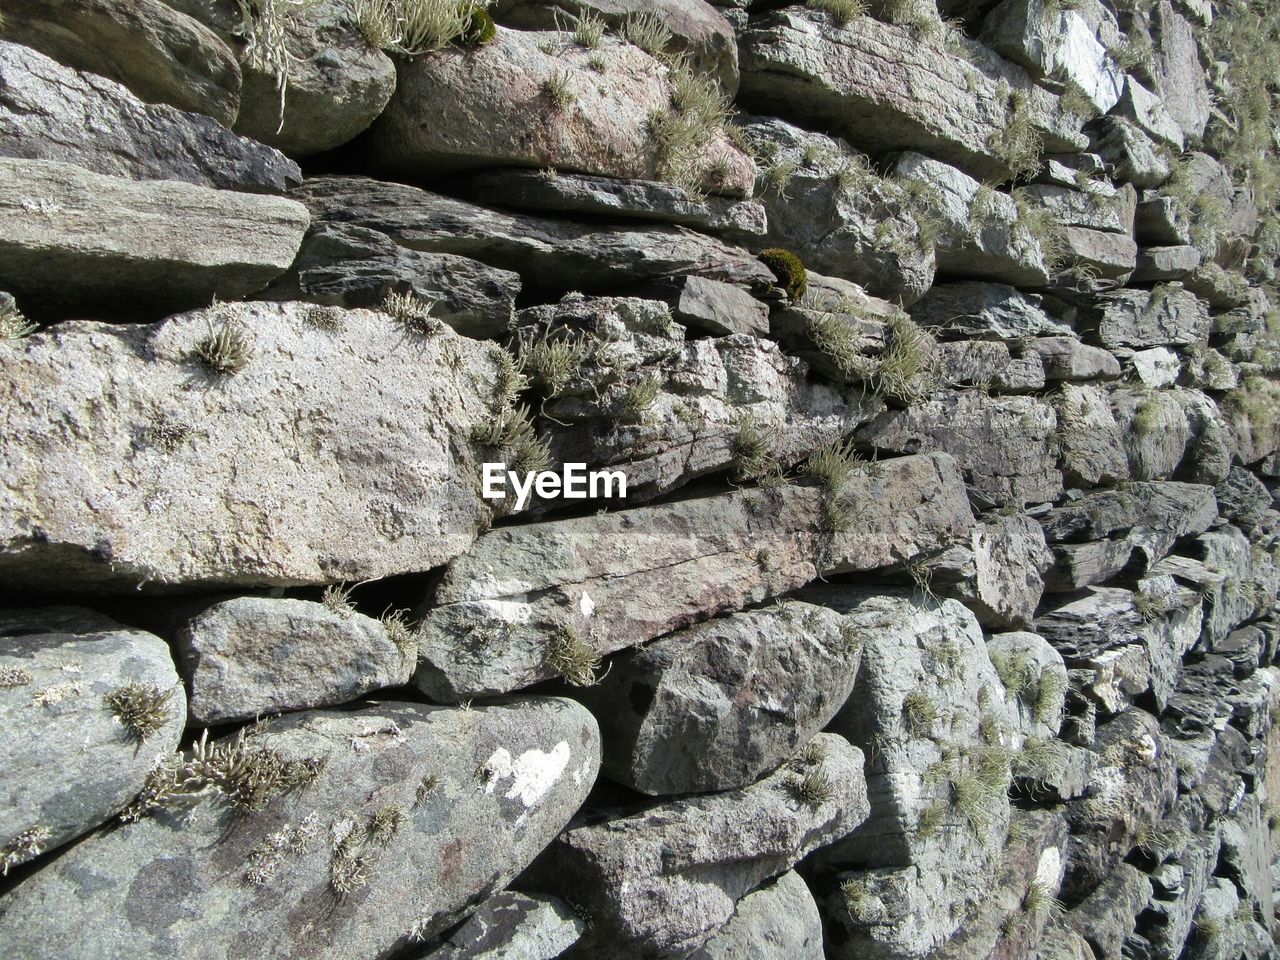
(812, 789)
(649, 33)
(589, 30)
(841, 11)
(552, 364)
(556, 90)
(141, 708)
(415, 27)
(573, 658)
(27, 845)
(412, 312)
(753, 449)
(225, 351)
(13, 325)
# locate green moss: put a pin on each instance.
(789, 269)
(480, 28)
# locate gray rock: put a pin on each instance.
(735, 403)
(1140, 318)
(979, 232)
(335, 81)
(1179, 885)
(608, 196)
(722, 703)
(1134, 785)
(837, 214)
(1218, 930)
(1107, 915)
(1172, 431)
(1146, 111)
(70, 758)
(51, 112)
(1243, 499)
(513, 926)
(1003, 444)
(989, 365)
(1165, 263)
(1091, 446)
(1178, 74)
(798, 64)
(698, 30)
(1248, 412)
(1099, 206)
(574, 255)
(1108, 256)
(661, 882)
(487, 107)
(1220, 288)
(182, 481)
(388, 835)
(998, 574)
(349, 266)
(986, 311)
(1128, 152)
(1159, 367)
(778, 921)
(1066, 358)
(1247, 851)
(161, 55)
(252, 656)
(79, 240)
(710, 306)
(610, 581)
(1162, 221)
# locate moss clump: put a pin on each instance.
(480, 28)
(788, 268)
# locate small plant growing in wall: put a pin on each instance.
(13, 325)
(415, 27)
(141, 708)
(573, 658)
(555, 90)
(226, 350)
(789, 269)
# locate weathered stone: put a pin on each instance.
(922, 672)
(979, 233)
(998, 573)
(986, 311)
(934, 101)
(1030, 660)
(488, 107)
(161, 55)
(1099, 206)
(1066, 358)
(1178, 75)
(1072, 44)
(572, 255)
(71, 758)
(1109, 256)
(1003, 444)
(988, 364)
(349, 266)
(661, 882)
(778, 921)
(467, 820)
(51, 112)
(1159, 367)
(1179, 885)
(1250, 414)
(1219, 930)
(837, 214)
(1128, 152)
(711, 306)
(330, 87)
(1162, 221)
(513, 926)
(619, 579)
(722, 703)
(1247, 851)
(1105, 532)
(1146, 111)
(246, 657)
(1243, 498)
(1220, 288)
(1173, 431)
(1091, 446)
(1107, 915)
(129, 463)
(1140, 318)
(1134, 785)
(1165, 263)
(607, 196)
(726, 403)
(698, 31)
(72, 239)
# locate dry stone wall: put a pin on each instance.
(939, 343)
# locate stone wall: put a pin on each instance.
(937, 344)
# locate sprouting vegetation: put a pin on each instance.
(27, 845)
(552, 363)
(812, 789)
(573, 658)
(832, 465)
(921, 711)
(399, 632)
(588, 30)
(226, 350)
(642, 395)
(788, 268)
(263, 29)
(1019, 144)
(12, 676)
(337, 599)
(906, 371)
(414, 27)
(841, 11)
(681, 133)
(13, 325)
(753, 449)
(412, 312)
(143, 709)
(649, 33)
(555, 88)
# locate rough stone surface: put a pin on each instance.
(181, 483)
(513, 778)
(663, 881)
(998, 574)
(1090, 441)
(488, 107)
(69, 761)
(988, 364)
(1108, 913)
(1003, 444)
(252, 656)
(349, 266)
(161, 55)
(711, 306)
(79, 240)
(618, 579)
(722, 703)
(1129, 152)
(985, 311)
(1138, 318)
(335, 81)
(513, 926)
(1179, 75)
(778, 921)
(1066, 358)
(578, 193)
(1165, 263)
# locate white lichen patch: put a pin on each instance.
(506, 611)
(58, 692)
(489, 587)
(533, 773)
(1050, 868)
(586, 605)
